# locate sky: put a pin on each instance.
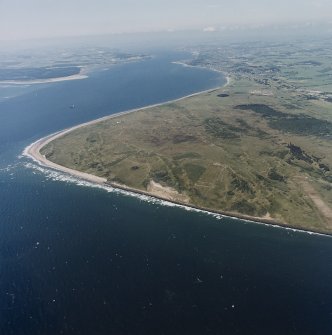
(25, 19)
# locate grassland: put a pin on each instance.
(251, 148)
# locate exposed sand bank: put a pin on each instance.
(154, 190)
(44, 81)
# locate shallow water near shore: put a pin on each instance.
(76, 259)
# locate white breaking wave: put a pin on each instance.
(10, 167)
(63, 177)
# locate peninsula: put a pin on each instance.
(251, 149)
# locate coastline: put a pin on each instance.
(33, 151)
(79, 76)
(226, 75)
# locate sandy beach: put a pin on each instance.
(227, 77)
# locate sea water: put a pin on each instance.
(80, 259)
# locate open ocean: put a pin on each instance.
(77, 259)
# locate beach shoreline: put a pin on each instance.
(226, 75)
(33, 151)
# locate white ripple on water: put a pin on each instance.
(63, 177)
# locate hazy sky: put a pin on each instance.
(21, 19)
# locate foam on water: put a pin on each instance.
(63, 177)
(10, 167)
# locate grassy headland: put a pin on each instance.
(248, 148)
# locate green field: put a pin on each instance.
(241, 149)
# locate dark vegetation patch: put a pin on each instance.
(311, 97)
(280, 153)
(328, 178)
(134, 168)
(303, 125)
(243, 206)
(241, 185)
(118, 160)
(274, 175)
(327, 187)
(275, 206)
(92, 138)
(261, 133)
(324, 167)
(267, 182)
(296, 124)
(187, 155)
(218, 128)
(251, 131)
(305, 168)
(170, 176)
(93, 165)
(290, 106)
(262, 109)
(194, 171)
(243, 124)
(299, 154)
(158, 141)
(161, 176)
(49, 155)
(180, 138)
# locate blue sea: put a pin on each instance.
(77, 259)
